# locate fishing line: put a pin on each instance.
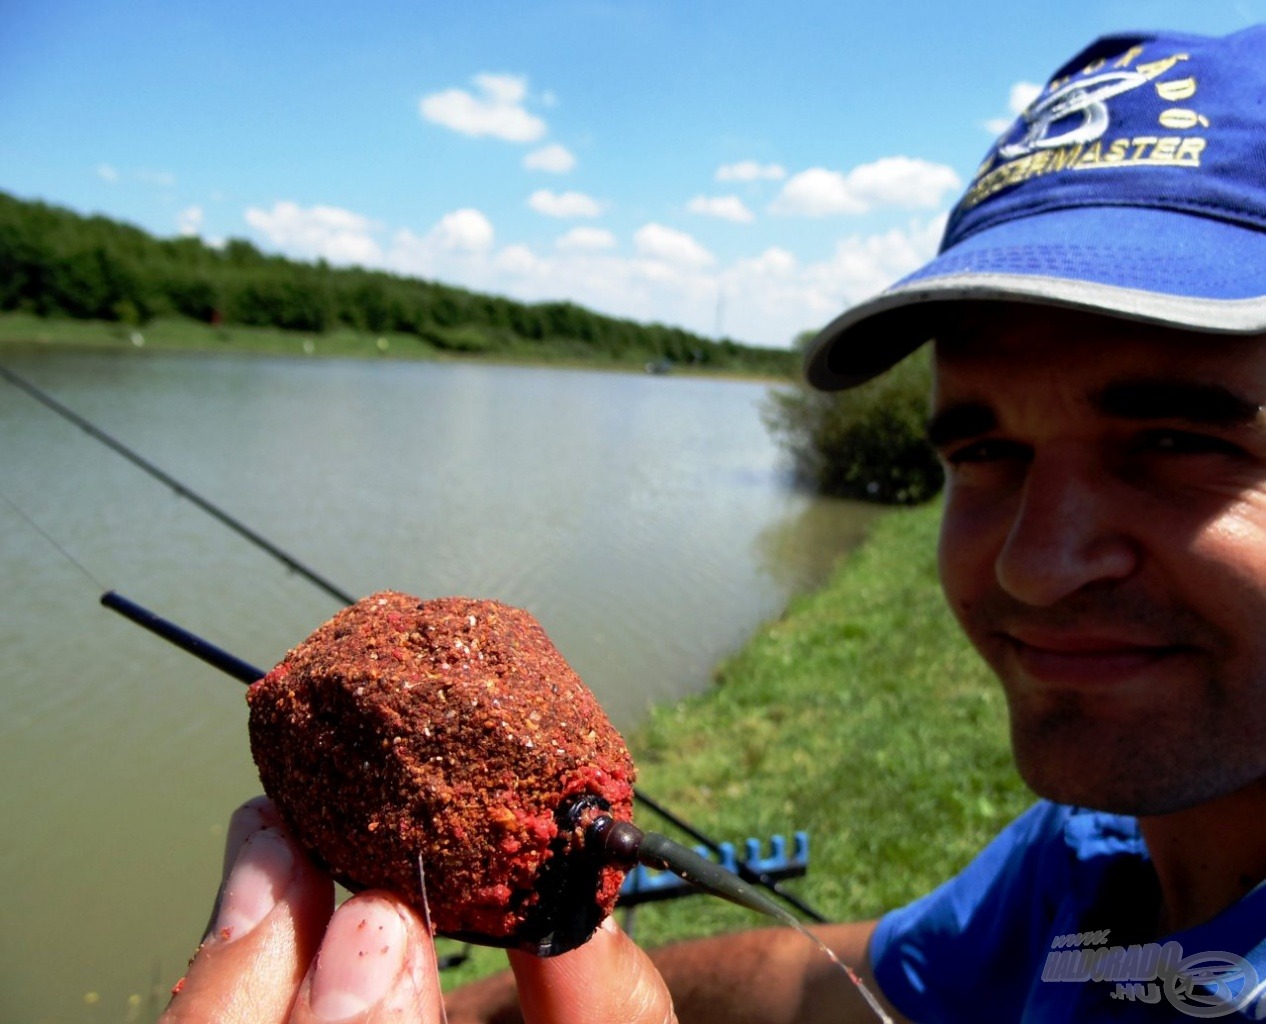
(233, 523)
(743, 869)
(65, 553)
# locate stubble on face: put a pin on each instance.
(1138, 686)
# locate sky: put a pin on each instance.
(742, 169)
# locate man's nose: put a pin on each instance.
(1070, 529)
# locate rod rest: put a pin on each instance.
(646, 885)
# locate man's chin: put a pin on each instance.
(1103, 771)
(1093, 796)
(1118, 780)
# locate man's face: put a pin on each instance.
(1104, 547)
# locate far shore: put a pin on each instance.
(180, 335)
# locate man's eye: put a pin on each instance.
(986, 451)
(1184, 442)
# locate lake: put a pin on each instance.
(649, 522)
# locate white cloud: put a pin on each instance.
(553, 158)
(586, 239)
(863, 265)
(456, 249)
(564, 204)
(903, 181)
(107, 173)
(892, 181)
(668, 245)
(725, 207)
(325, 232)
(1022, 94)
(465, 230)
(458, 241)
(817, 192)
(750, 170)
(774, 262)
(189, 220)
(518, 260)
(772, 297)
(496, 111)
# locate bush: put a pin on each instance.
(868, 443)
(468, 340)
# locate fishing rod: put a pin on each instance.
(233, 523)
(244, 672)
(235, 667)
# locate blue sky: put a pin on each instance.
(747, 166)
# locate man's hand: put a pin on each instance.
(277, 951)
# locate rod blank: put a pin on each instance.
(217, 657)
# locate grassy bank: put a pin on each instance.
(180, 334)
(862, 717)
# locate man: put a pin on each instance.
(1098, 311)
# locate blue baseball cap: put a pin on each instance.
(1133, 186)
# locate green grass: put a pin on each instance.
(861, 716)
(170, 334)
(180, 334)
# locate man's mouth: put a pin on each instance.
(1086, 660)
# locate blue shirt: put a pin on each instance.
(1050, 924)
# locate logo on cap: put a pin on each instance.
(1087, 98)
(1070, 127)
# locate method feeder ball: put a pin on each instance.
(452, 733)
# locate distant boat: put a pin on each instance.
(659, 366)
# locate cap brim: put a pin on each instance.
(1174, 270)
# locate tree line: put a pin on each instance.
(55, 262)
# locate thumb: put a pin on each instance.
(608, 980)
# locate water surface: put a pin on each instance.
(648, 522)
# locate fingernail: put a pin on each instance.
(254, 815)
(260, 875)
(360, 959)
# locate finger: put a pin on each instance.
(376, 963)
(272, 910)
(608, 980)
(257, 813)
